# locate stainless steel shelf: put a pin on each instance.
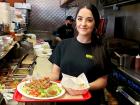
(121, 3)
(65, 3)
(134, 99)
(4, 53)
(131, 73)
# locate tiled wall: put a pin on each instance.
(47, 15)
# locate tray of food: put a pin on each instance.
(45, 90)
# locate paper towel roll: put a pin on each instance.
(4, 5)
(5, 12)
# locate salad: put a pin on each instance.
(2, 86)
(42, 88)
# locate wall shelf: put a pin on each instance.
(130, 74)
(120, 3)
(64, 3)
(4, 53)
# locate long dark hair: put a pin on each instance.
(96, 41)
(96, 16)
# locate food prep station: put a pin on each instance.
(14, 68)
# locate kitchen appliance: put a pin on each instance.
(129, 94)
(125, 86)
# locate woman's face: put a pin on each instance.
(85, 22)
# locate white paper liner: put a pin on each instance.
(75, 85)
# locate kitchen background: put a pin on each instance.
(47, 15)
(122, 33)
(124, 24)
(122, 28)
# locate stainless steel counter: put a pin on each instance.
(131, 73)
(125, 84)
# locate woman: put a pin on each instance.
(83, 54)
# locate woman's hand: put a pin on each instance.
(99, 83)
(54, 73)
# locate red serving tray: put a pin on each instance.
(20, 98)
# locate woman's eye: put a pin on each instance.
(90, 20)
(79, 18)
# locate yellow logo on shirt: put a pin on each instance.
(89, 56)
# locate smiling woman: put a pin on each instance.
(84, 53)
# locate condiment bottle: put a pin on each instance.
(12, 33)
(137, 63)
